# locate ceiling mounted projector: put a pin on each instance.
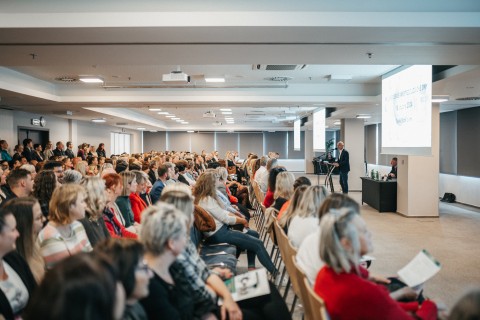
(176, 77)
(209, 114)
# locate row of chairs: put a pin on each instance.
(283, 253)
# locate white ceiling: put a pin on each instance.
(131, 44)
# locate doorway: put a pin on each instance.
(37, 136)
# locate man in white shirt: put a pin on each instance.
(261, 172)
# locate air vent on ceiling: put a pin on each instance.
(468, 99)
(279, 67)
(67, 79)
(217, 123)
(279, 78)
(121, 123)
(255, 114)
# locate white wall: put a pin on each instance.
(94, 133)
(63, 130)
(466, 189)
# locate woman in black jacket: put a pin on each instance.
(16, 280)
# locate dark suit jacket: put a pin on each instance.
(58, 152)
(69, 153)
(344, 162)
(394, 171)
(36, 156)
(156, 191)
(182, 179)
(23, 270)
(27, 153)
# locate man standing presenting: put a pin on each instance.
(343, 164)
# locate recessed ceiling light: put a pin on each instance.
(337, 123)
(226, 112)
(91, 80)
(163, 112)
(190, 131)
(170, 116)
(154, 109)
(184, 122)
(141, 128)
(225, 109)
(153, 131)
(99, 120)
(175, 118)
(218, 79)
(179, 120)
(363, 116)
(439, 98)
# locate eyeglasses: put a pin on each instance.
(142, 266)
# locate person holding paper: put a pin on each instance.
(343, 164)
(343, 284)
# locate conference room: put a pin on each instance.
(388, 79)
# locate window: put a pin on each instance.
(120, 143)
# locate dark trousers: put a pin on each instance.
(344, 181)
(245, 241)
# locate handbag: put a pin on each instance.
(203, 220)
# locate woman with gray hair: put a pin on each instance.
(72, 176)
(164, 236)
(344, 285)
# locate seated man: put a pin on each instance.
(393, 172)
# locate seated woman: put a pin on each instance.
(227, 195)
(296, 200)
(190, 266)
(83, 286)
(283, 189)
(343, 284)
(30, 220)
(305, 218)
(164, 237)
(206, 197)
(96, 201)
(16, 280)
(123, 203)
(113, 218)
(300, 181)
(64, 236)
(307, 255)
(43, 187)
(272, 181)
(127, 257)
(136, 201)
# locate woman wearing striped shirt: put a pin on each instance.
(63, 235)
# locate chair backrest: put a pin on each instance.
(299, 274)
(272, 213)
(318, 310)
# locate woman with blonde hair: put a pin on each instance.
(283, 189)
(96, 201)
(305, 218)
(82, 167)
(30, 220)
(206, 197)
(295, 202)
(63, 235)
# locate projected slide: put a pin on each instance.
(319, 130)
(296, 135)
(407, 111)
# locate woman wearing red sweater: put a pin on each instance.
(137, 203)
(113, 219)
(344, 285)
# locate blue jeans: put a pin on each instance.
(344, 181)
(245, 241)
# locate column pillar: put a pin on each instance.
(352, 133)
(417, 182)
